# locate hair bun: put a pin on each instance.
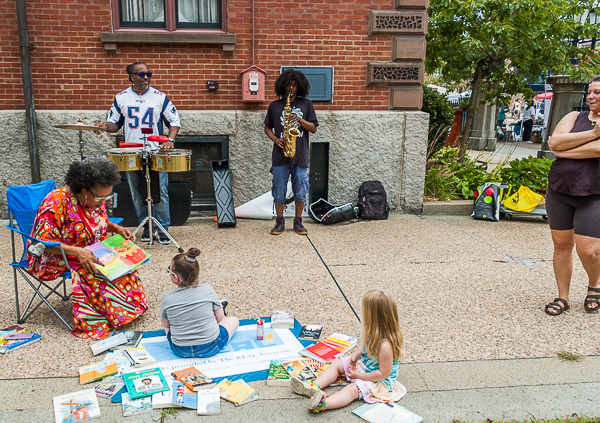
(192, 253)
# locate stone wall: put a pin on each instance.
(364, 145)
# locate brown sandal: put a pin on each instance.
(558, 305)
(592, 299)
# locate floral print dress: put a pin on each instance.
(99, 305)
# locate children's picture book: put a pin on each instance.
(137, 406)
(282, 319)
(164, 399)
(233, 391)
(193, 378)
(144, 383)
(97, 371)
(119, 256)
(133, 339)
(76, 406)
(139, 357)
(15, 337)
(386, 413)
(311, 332)
(123, 363)
(109, 386)
(299, 369)
(209, 402)
(330, 348)
(278, 376)
(184, 396)
(249, 398)
(108, 343)
(316, 366)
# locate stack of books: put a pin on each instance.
(15, 337)
(333, 346)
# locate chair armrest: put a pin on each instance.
(46, 243)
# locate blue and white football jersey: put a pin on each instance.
(133, 111)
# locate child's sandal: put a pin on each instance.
(317, 402)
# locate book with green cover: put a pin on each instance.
(278, 376)
(144, 383)
(118, 255)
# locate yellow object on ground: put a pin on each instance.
(524, 200)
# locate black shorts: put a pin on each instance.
(570, 212)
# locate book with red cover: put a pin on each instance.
(333, 346)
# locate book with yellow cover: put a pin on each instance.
(298, 368)
(233, 391)
(97, 371)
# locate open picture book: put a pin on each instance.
(119, 256)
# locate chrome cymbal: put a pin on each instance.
(80, 127)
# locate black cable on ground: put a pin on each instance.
(333, 277)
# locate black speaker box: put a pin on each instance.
(180, 203)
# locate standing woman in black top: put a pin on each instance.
(573, 200)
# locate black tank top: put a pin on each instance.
(576, 177)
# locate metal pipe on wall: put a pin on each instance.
(34, 158)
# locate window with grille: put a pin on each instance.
(171, 14)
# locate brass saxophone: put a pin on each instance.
(290, 134)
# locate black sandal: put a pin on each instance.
(592, 299)
(559, 306)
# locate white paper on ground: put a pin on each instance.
(262, 207)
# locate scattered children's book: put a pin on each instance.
(330, 348)
(97, 371)
(193, 378)
(15, 337)
(316, 366)
(108, 343)
(233, 391)
(299, 369)
(278, 376)
(138, 406)
(209, 402)
(144, 383)
(282, 319)
(133, 339)
(183, 396)
(249, 398)
(164, 399)
(76, 406)
(139, 357)
(123, 362)
(386, 413)
(119, 256)
(311, 333)
(109, 386)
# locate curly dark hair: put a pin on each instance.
(186, 266)
(288, 76)
(92, 171)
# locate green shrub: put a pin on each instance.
(441, 115)
(531, 172)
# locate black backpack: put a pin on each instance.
(372, 201)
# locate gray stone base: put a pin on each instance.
(371, 145)
(482, 144)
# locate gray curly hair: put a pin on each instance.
(92, 171)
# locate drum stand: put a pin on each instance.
(151, 219)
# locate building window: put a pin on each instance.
(171, 15)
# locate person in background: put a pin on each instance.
(528, 120)
(303, 118)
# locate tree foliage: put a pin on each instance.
(441, 115)
(498, 46)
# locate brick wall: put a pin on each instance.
(71, 70)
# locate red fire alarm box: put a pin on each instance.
(253, 84)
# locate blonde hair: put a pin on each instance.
(380, 323)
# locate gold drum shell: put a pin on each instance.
(126, 159)
(171, 160)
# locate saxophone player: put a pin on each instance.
(292, 113)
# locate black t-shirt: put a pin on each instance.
(303, 108)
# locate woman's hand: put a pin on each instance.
(126, 233)
(87, 260)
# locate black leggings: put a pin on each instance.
(527, 127)
(570, 212)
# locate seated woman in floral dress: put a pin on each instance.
(75, 216)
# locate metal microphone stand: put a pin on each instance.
(146, 161)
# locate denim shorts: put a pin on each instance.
(201, 351)
(300, 185)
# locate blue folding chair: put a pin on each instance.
(23, 204)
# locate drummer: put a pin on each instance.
(141, 106)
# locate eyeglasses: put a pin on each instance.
(170, 271)
(143, 74)
(102, 199)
